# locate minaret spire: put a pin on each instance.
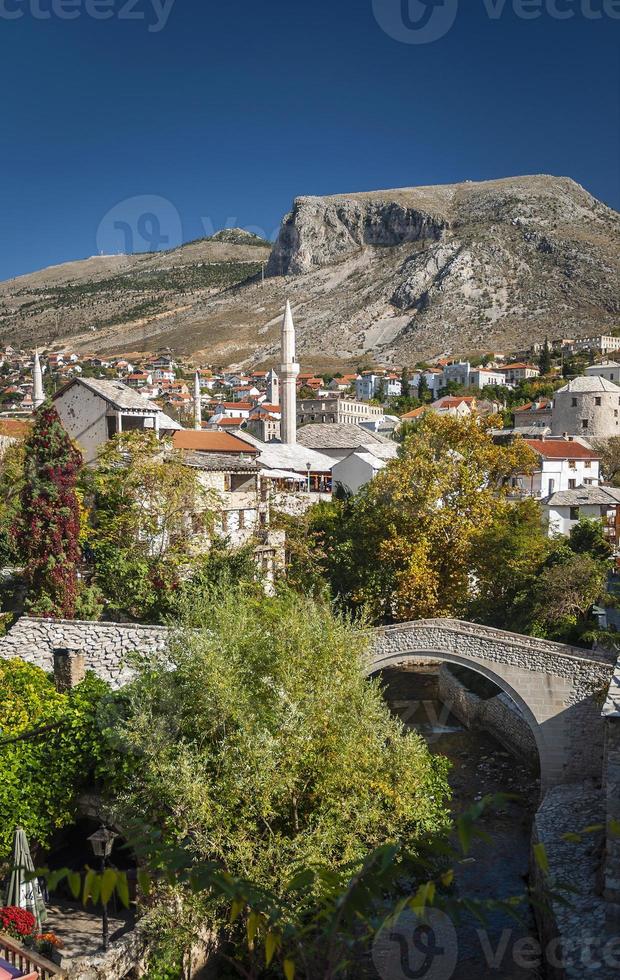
(289, 371)
(38, 395)
(197, 402)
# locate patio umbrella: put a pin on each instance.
(22, 892)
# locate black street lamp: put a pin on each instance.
(102, 842)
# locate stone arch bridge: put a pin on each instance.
(559, 689)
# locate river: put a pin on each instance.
(480, 766)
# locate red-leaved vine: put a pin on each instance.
(47, 530)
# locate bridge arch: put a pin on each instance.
(557, 687)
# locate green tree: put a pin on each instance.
(609, 451)
(408, 545)
(47, 527)
(566, 593)
(405, 384)
(41, 774)
(151, 524)
(424, 392)
(258, 740)
(544, 360)
(587, 537)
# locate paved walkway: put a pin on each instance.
(80, 928)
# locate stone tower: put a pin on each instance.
(587, 407)
(197, 402)
(38, 395)
(273, 388)
(289, 372)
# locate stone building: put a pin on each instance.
(94, 410)
(588, 407)
(336, 410)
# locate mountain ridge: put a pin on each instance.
(389, 275)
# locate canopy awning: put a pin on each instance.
(283, 475)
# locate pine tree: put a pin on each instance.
(424, 392)
(544, 361)
(48, 527)
(405, 385)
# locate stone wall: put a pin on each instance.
(559, 688)
(602, 422)
(499, 716)
(612, 794)
(576, 941)
(108, 647)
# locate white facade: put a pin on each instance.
(434, 380)
(565, 510)
(560, 468)
(369, 386)
(356, 470)
(603, 344)
(610, 370)
(92, 411)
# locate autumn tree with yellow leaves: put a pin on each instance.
(415, 542)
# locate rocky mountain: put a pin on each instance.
(388, 275)
(102, 302)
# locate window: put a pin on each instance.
(574, 402)
(572, 484)
(551, 486)
(587, 464)
(597, 401)
(572, 465)
(574, 513)
(584, 423)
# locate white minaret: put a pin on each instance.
(38, 395)
(273, 388)
(289, 371)
(197, 402)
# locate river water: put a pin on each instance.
(501, 949)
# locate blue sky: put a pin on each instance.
(134, 133)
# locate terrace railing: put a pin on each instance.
(27, 960)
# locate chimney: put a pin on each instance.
(69, 668)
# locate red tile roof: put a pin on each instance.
(205, 441)
(561, 449)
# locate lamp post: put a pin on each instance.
(102, 842)
(308, 467)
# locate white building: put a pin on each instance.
(514, 373)
(361, 466)
(94, 410)
(610, 370)
(563, 464)
(379, 384)
(601, 344)
(433, 378)
(565, 508)
(336, 409)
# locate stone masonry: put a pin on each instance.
(107, 647)
(559, 689)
